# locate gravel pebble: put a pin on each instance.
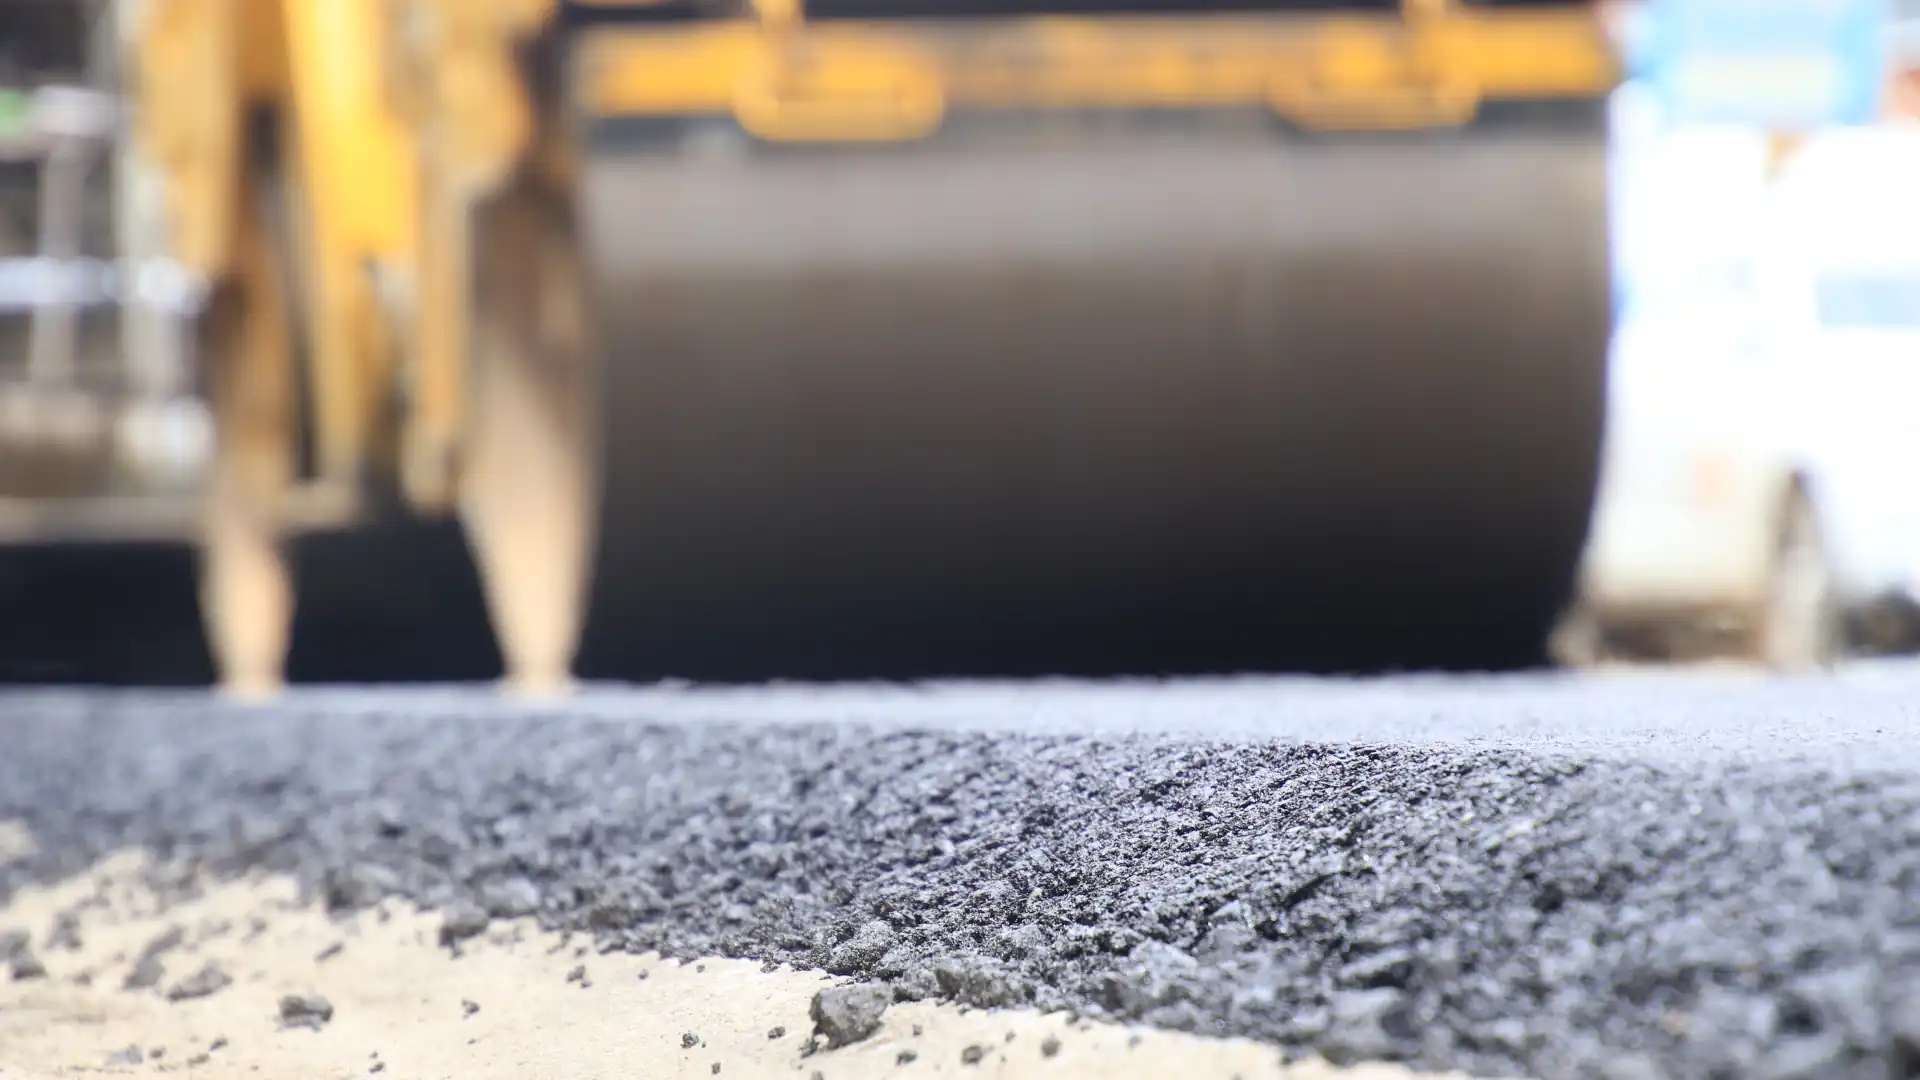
(209, 980)
(145, 974)
(305, 1010)
(461, 921)
(27, 966)
(848, 1014)
(510, 898)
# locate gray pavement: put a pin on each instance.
(1643, 875)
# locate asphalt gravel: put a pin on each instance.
(1618, 878)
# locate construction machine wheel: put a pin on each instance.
(1147, 400)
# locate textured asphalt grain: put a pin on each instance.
(1619, 878)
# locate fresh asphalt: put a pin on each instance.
(1638, 876)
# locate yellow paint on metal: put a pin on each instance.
(1341, 71)
(186, 90)
(358, 180)
(473, 126)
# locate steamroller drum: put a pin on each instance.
(1145, 402)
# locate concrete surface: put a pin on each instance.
(1621, 877)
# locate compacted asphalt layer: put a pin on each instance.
(1623, 877)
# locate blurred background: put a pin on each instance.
(904, 339)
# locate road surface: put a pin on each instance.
(1624, 877)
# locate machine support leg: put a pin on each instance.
(528, 485)
(246, 590)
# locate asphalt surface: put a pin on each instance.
(1622, 878)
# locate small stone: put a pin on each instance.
(198, 1059)
(66, 932)
(378, 1066)
(510, 898)
(157, 1053)
(716, 1068)
(352, 887)
(916, 1031)
(818, 1075)
(329, 952)
(776, 1032)
(973, 1055)
(1366, 1025)
(699, 969)
(1050, 1046)
(206, 982)
(906, 1057)
(132, 1055)
(462, 921)
(146, 974)
(27, 966)
(219, 1043)
(689, 1040)
(305, 1010)
(468, 1008)
(848, 1014)
(867, 945)
(979, 982)
(643, 973)
(578, 974)
(1009, 1036)
(918, 983)
(1133, 1041)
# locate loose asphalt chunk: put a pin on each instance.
(209, 980)
(848, 1014)
(461, 921)
(146, 973)
(27, 966)
(305, 1011)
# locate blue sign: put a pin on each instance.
(1783, 64)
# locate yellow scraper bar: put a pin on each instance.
(835, 81)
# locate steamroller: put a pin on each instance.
(906, 330)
